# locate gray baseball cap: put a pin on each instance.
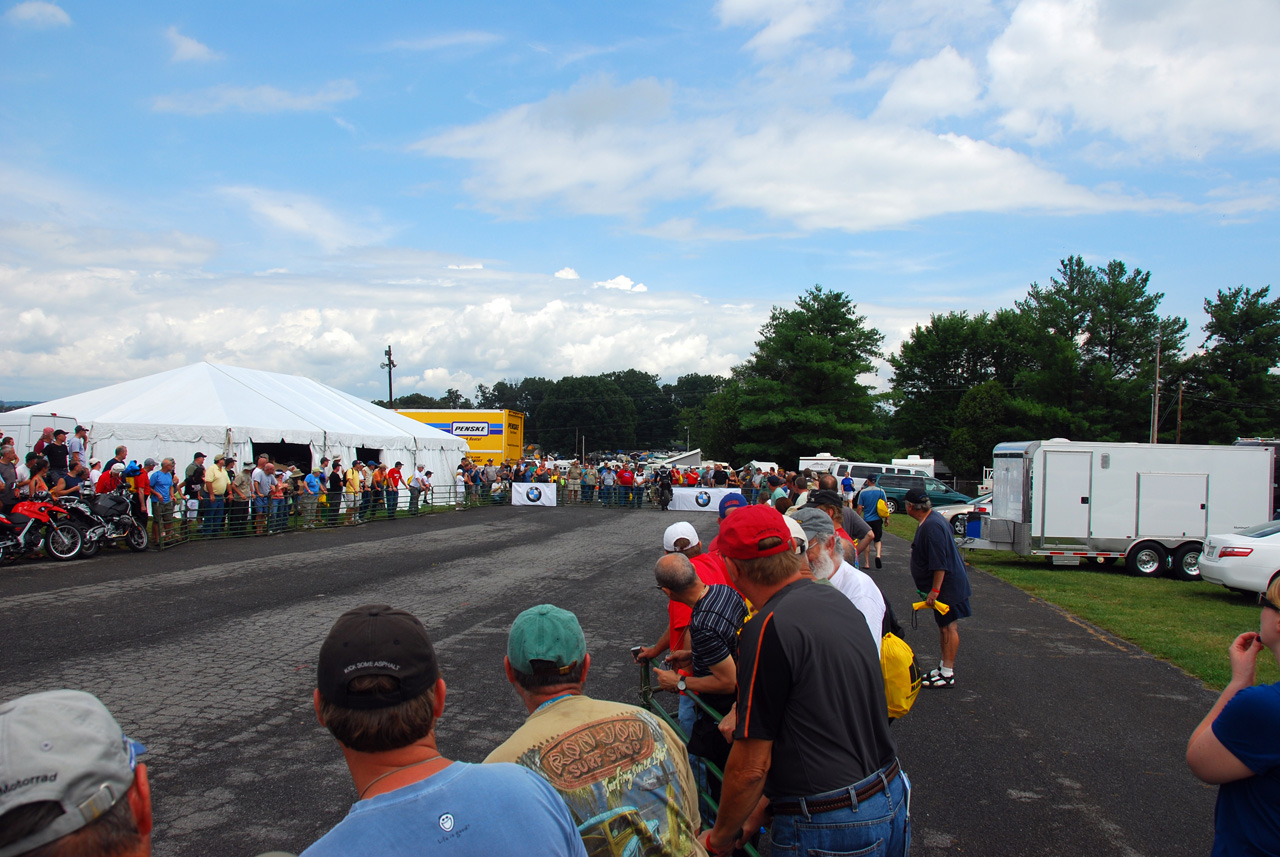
(816, 523)
(63, 746)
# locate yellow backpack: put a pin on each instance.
(902, 679)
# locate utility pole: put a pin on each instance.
(389, 365)
(1181, 384)
(1155, 396)
(687, 442)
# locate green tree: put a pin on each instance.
(800, 392)
(655, 415)
(590, 405)
(982, 421)
(1231, 389)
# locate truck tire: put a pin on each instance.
(1146, 559)
(1186, 563)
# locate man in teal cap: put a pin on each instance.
(623, 772)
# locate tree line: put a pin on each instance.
(1076, 358)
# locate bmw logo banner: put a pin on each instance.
(533, 494)
(699, 499)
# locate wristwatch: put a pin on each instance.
(681, 685)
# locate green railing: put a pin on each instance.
(646, 692)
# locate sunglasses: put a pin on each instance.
(1264, 601)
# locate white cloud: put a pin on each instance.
(467, 266)
(622, 283)
(820, 169)
(942, 85)
(305, 216)
(187, 49)
(35, 13)
(785, 21)
(1179, 77)
(254, 99)
(566, 274)
(466, 38)
(344, 124)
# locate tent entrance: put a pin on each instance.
(297, 454)
(367, 454)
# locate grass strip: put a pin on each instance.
(1191, 625)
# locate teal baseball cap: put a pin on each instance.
(546, 639)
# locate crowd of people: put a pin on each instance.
(219, 496)
(773, 626)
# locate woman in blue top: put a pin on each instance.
(1237, 745)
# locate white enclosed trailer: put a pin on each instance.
(1152, 504)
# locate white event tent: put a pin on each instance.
(212, 408)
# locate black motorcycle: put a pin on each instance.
(665, 493)
(104, 518)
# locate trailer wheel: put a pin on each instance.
(1146, 559)
(1186, 563)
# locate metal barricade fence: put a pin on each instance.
(204, 520)
(650, 704)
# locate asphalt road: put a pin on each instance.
(1057, 739)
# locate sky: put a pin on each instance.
(499, 190)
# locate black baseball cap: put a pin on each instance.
(916, 495)
(825, 497)
(376, 639)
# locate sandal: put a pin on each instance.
(935, 678)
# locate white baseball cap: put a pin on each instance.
(680, 530)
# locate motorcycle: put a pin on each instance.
(104, 518)
(38, 524)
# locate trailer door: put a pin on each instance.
(1067, 489)
(1173, 505)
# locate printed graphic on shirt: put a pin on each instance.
(618, 778)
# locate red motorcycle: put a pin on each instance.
(38, 524)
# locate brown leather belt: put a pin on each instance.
(816, 807)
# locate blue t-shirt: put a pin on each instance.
(846, 484)
(1247, 818)
(465, 810)
(314, 485)
(871, 495)
(934, 548)
(162, 483)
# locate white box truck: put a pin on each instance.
(1152, 504)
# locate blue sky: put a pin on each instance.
(501, 190)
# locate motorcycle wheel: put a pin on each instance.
(138, 538)
(89, 546)
(62, 542)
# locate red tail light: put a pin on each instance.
(1235, 552)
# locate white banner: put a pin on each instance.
(533, 494)
(699, 499)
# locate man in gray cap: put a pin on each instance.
(827, 562)
(70, 782)
(599, 755)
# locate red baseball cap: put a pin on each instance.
(742, 532)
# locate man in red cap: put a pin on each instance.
(812, 733)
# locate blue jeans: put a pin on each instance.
(393, 502)
(278, 517)
(213, 516)
(880, 825)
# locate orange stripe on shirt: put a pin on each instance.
(746, 724)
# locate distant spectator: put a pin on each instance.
(70, 782)
(395, 478)
(216, 482)
(380, 694)
(164, 494)
(197, 460)
(241, 498)
(640, 763)
(121, 455)
(59, 456)
(78, 446)
(46, 438)
(313, 487)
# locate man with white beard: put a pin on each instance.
(826, 561)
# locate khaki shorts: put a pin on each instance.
(162, 511)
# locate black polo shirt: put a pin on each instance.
(809, 680)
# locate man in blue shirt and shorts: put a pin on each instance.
(937, 569)
(871, 495)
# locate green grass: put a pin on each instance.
(1188, 624)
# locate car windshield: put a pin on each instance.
(1258, 531)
